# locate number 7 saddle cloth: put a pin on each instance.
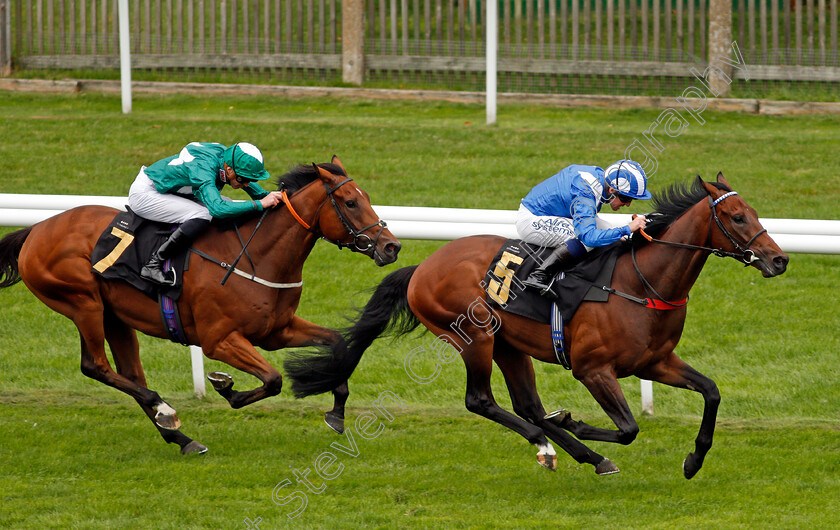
(515, 261)
(126, 245)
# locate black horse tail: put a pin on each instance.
(386, 311)
(9, 252)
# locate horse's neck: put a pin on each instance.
(672, 270)
(282, 244)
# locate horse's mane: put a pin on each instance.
(303, 174)
(674, 201)
(294, 180)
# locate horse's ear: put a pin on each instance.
(325, 175)
(711, 189)
(722, 180)
(337, 162)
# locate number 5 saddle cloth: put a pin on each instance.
(515, 261)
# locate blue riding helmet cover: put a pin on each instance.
(627, 178)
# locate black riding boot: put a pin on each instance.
(181, 238)
(559, 260)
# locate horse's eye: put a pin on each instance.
(739, 219)
(350, 204)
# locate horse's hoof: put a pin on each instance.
(548, 461)
(167, 418)
(193, 448)
(606, 468)
(690, 467)
(334, 422)
(558, 417)
(221, 381)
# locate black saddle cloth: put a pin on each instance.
(514, 262)
(126, 245)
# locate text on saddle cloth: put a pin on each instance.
(126, 245)
(516, 259)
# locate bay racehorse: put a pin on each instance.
(53, 258)
(629, 335)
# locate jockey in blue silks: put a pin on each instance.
(562, 212)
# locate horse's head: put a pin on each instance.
(351, 222)
(740, 232)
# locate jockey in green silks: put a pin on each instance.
(185, 189)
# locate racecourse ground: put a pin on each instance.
(77, 454)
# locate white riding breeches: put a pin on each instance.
(548, 230)
(146, 201)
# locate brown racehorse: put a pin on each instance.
(606, 341)
(227, 321)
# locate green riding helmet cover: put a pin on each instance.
(246, 161)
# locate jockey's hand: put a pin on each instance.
(637, 223)
(272, 199)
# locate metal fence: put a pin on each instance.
(544, 45)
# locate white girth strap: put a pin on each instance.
(264, 282)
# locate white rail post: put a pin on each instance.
(492, 56)
(197, 357)
(647, 396)
(125, 57)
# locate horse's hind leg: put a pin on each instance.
(518, 371)
(478, 358)
(126, 351)
(480, 400)
(96, 366)
(62, 279)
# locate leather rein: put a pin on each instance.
(361, 243)
(744, 254)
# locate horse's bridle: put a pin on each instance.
(744, 254)
(747, 255)
(361, 243)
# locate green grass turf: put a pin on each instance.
(81, 455)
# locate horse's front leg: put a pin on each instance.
(237, 351)
(675, 372)
(300, 332)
